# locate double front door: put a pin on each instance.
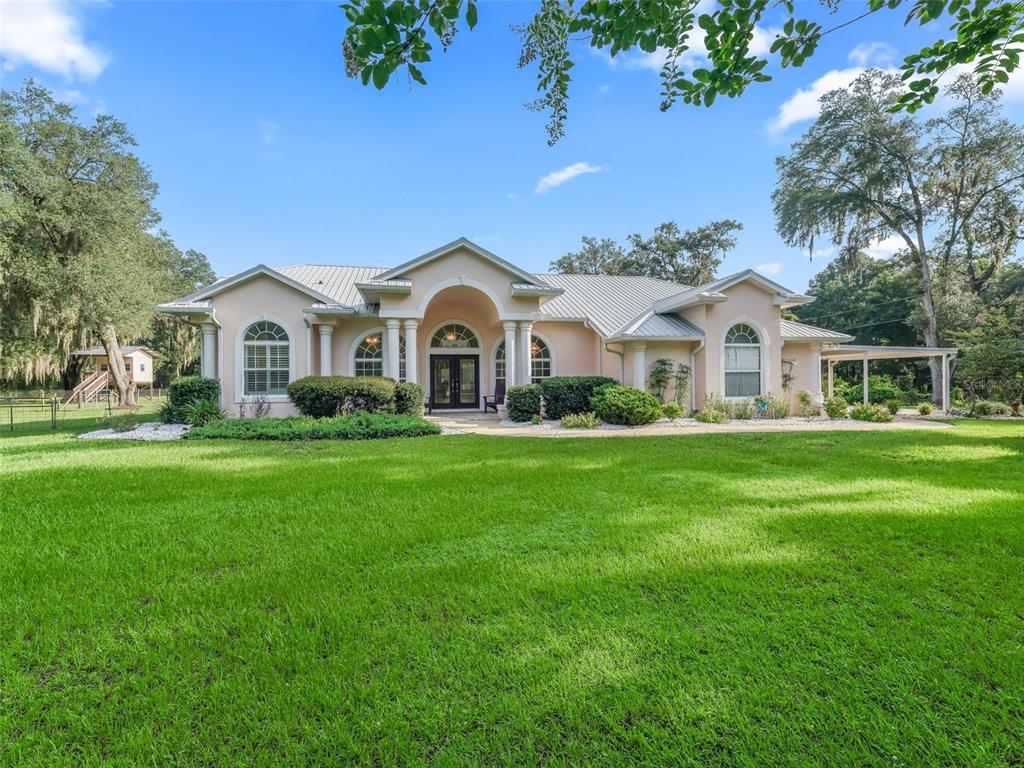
(455, 381)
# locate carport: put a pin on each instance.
(864, 352)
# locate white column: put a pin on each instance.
(326, 364)
(640, 365)
(309, 347)
(392, 349)
(816, 355)
(510, 354)
(831, 377)
(523, 348)
(945, 383)
(865, 378)
(412, 373)
(208, 361)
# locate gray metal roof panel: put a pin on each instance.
(339, 283)
(793, 331)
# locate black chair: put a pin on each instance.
(491, 402)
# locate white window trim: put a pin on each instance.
(431, 350)
(358, 340)
(501, 340)
(240, 396)
(762, 334)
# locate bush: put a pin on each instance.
(774, 407)
(203, 412)
(893, 406)
(673, 411)
(742, 410)
(580, 421)
(565, 395)
(870, 412)
(355, 426)
(924, 409)
(712, 416)
(409, 398)
(805, 404)
(990, 408)
(619, 404)
(881, 389)
(523, 402)
(836, 407)
(122, 421)
(322, 396)
(182, 392)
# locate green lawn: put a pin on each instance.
(820, 598)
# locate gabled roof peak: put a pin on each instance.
(462, 242)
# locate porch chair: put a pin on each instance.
(491, 402)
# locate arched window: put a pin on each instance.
(265, 359)
(540, 360)
(742, 362)
(454, 336)
(369, 357)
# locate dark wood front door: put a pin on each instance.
(455, 381)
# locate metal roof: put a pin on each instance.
(339, 283)
(99, 351)
(713, 292)
(607, 301)
(866, 351)
(792, 331)
(651, 325)
(462, 242)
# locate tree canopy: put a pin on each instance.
(383, 38)
(689, 257)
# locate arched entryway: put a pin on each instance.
(454, 351)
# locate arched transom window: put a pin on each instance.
(742, 362)
(454, 336)
(265, 359)
(369, 357)
(540, 360)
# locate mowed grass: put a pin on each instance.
(802, 599)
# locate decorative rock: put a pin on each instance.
(148, 431)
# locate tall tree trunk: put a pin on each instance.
(71, 373)
(931, 328)
(115, 361)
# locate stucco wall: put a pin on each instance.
(806, 369)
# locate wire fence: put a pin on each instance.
(52, 411)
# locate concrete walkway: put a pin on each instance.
(477, 423)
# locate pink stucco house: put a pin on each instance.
(465, 324)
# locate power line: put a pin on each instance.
(855, 309)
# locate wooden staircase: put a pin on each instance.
(88, 388)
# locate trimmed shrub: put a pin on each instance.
(774, 407)
(805, 404)
(523, 402)
(881, 389)
(673, 411)
(618, 404)
(580, 421)
(565, 395)
(870, 412)
(182, 392)
(322, 396)
(354, 426)
(990, 408)
(836, 407)
(409, 398)
(925, 409)
(203, 412)
(712, 416)
(893, 406)
(741, 410)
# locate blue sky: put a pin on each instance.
(265, 152)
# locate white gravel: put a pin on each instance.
(555, 426)
(148, 431)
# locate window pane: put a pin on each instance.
(742, 384)
(278, 355)
(277, 382)
(369, 368)
(742, 358)
(540, 369)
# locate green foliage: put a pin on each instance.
(181, 393)
(659, 376)
(690, 257)
(523, 402)
(121, 421)
(774, 407)
(619, 404)
(580, 421)
(788, 377)
(536, 420)
(990, 408)
(354, 426)
(993, 356)
(681, 377)
(409, 398)
(712, 416)
(805, 404)
(200, 412)
(870, 412)
(324, 396)
(836, 407)
(564, 395)
(925, 409)
(382, 39)
(881, 390)
(893, 406)
(673, 411)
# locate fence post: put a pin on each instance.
(53, 414)
(108, 401)
(10, 411)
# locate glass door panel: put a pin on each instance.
(467, 381)
(441, 381)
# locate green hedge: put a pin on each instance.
(618, 404)
(324, 396)
(355, 426)
(565, 395)
(409, 398)
(523, 402)
(870, 412)
(182, 392)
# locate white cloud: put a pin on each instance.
(886, 248)
(562, 175)
(269, 132)
(47, 35)
(803, 105)
(771, 268)
(873, 55)
(604, 89)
